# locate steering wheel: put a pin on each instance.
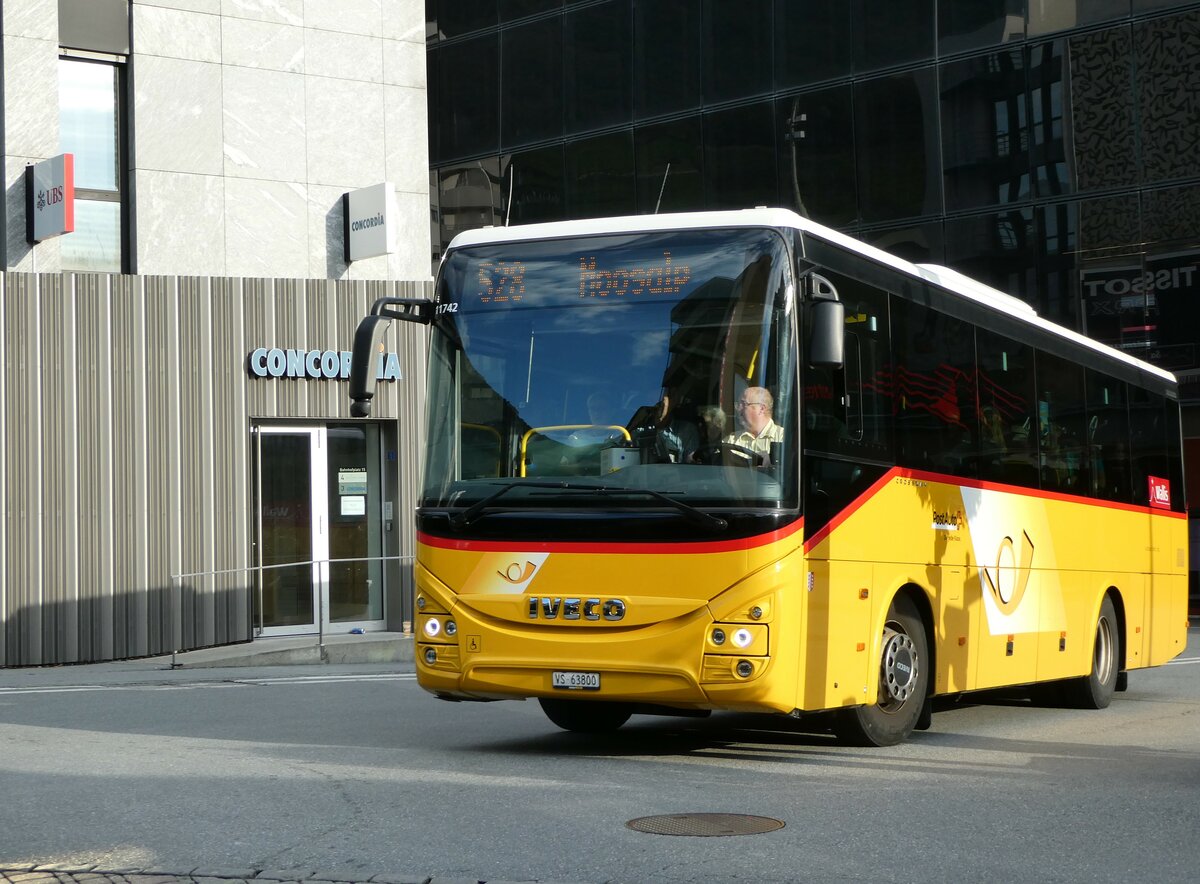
(729, 454)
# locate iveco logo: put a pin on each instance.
(575, 609)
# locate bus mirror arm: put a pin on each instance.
(369, 337)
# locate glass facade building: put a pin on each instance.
(1045, 148)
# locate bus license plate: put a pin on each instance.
(577, 681)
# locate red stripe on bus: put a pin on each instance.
(942, 479)
(611, 548)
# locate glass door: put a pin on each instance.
(319, 529)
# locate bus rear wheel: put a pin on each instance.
(1095, 690)
(903, 683)
(584, 717)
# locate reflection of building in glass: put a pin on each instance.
(1046, 149)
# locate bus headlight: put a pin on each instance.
(451, 627)
(742, 638)
(433, 627)
(718, 636)
(430, 656)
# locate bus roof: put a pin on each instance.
(943, 277)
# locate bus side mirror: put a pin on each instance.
(826, 348)
(367, 339)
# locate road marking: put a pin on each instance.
(1183, 661)
(223, 683)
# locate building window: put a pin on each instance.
(90, 128)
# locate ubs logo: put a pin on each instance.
(1010, 577)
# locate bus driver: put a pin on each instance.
(753, 413)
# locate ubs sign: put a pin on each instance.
(274, 362)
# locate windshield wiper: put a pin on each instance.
(693, 515)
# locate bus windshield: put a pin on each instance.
(659, 364)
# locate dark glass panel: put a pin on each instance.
(532, 91)
(536, 181)
(816, 153)
(513, 9)
(600, 177)
(1048, 149)
(897, 149)
(998, 250)
(1056, 286)
(470, 196)
(974, 24)
(848, 411)
(599, 66)
(457, 17)
(1048, 16)
(934, 390)
(431, 25)
(1115, 314)
(668, 167)
(1061, 425)
(468, 98)
(1171, 281)
(737, 49)
(431, 105)
(1007, 438)
(918, 243)
(812, 41)
(739, 157)
(1108, 438)
(892, 33)
(666, 57)
(1081, 114)
(1168, 102)
(985, 134)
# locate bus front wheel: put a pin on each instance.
(903, 683)
(584, 717)
(1095, 690)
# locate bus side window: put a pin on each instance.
(1108, 438)
(1062, 426)
(1148, 443)
(1007, 440)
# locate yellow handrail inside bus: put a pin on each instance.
(533, 431)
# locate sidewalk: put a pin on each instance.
(333, 648)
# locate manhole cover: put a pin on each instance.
(706, 825)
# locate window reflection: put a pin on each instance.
(666, 56)
(739, 157)
(669, 168)
(816, 155)
(598, 61)
(88, 129)
(600, 176)
(88, 121)
(974, 24)
(891, 33)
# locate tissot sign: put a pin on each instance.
(273, 362)
(50, 197)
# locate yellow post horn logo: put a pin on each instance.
(1009, 583)
(517, 575)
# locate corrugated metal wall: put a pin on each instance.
(127, 405)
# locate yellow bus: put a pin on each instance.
(739, 461)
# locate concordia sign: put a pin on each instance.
(318, 364)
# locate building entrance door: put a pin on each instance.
(319, 529)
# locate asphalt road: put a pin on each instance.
(356, 770)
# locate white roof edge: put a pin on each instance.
(944, 277)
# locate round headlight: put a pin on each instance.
(430, 656)
(718, 636)
(433, 627)
(742, 638)
(756, 613)
(451, 627)
(745, 668)
(421, 602)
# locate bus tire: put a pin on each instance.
(584, 717)
(903, 683)
(1095, 690)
